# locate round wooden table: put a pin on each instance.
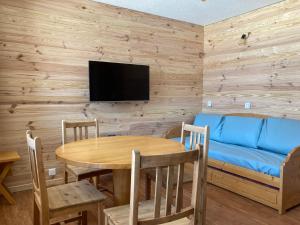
(115, 153)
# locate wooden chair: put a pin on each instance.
(149, 212)
(61, 200)
(195, 137)
(83, 133)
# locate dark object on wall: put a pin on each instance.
(118, 81)
(245, 36)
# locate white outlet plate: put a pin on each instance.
(52, 172)
(248, 105)
(209, 103)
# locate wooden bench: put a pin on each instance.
(281, 193)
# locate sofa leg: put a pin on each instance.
(281, 211)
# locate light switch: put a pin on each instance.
(209, 103)
(248, 105)
(52, 171)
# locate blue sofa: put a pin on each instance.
(254, 155)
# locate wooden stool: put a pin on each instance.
(7, 158)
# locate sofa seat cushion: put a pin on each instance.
(280, 135)
(214, 121)
(243, 131)
(249, 158)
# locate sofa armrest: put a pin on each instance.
(290, 180)
(174, 132)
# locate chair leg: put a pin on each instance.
(66, 177)
(100, 214)
(113, 189)
(97, 183)
(147, 187)
(36, 214)
(106, 220)
(84, 218)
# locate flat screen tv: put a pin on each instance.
(118, 81)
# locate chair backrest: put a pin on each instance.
(197, 208)
(81, 127)
(38, 177)
(195, 135)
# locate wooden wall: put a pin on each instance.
(44, 51)
(264, 70)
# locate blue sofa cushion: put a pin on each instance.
(213, 121)
(242, 131)
(249, 158)
(280, 135)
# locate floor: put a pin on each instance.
(223, 208)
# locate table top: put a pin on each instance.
(9, 156)
(114, 152)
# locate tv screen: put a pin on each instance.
(118, 81)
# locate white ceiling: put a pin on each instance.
(193, 11)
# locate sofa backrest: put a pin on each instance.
(280, 135)
(213, 121)
(239, 130)
(253, 130)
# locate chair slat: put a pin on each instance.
(196, 129)
(88, 123)
(63, 132)
(157, 193)
(166, 160)
(169, 190)
(86, 132)
(191, 139)
(80, 133)
(179, 189)
(75, 133)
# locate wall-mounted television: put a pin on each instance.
(118, 81)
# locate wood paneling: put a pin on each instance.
(44, 52)
(264, 69)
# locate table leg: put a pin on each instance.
(3, 189)
(121, 186)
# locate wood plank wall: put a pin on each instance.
(44, 51)
(264, 70)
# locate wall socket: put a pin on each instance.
(52, 171)
(209, 103)
(248, 105)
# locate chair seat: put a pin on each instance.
(73, 194)
(78, 171)
(120, 215)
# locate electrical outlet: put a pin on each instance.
(52, 172)
(248, 105)
(209, 103)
